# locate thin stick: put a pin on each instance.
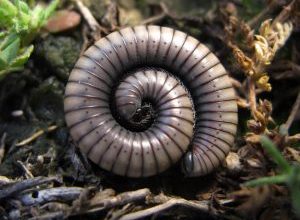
(252, 96)
(293, 112)
(2, 145)
(17, 187)
(92, 22)
(36, 135)
(267, 10)
(203, 207)
(159, 17)
(28, 174)
(97, 204)
(284, 14)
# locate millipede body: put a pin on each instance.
(144, 97)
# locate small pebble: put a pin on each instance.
(63, 20)
(17, 113)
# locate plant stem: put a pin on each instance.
(267, 180)
(275, 154)
(293, 113)
(252, 96)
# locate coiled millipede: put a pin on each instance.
(143, 97)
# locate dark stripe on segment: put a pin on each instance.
(140, 83)
(85, 107)
(130, 156)
(172, 99)
(200, 150)
(154, 86)
(204, 71)
(127, 103)
(205, 83)
(121, 148)
(177, 145)
(205, 93)
(188, 57)
(221, 100)
(133, 85)
(219, 121)
(98, 64)
(167, 92)
(201, 132)
(109, 145)
(212, 111)
(95, 75)
(161, 144)
(172, 126)
(148, 82)
(127, 95)
(107, 57)
(90, 117)
(176, 56)
(211, 150)
(174, 107)
(116, 51)
(131, 90)
(89, 85)
(176, 116)
(204, 139)
(201, 161)
(227, 132)
(97, 126)
(166, 79)
(158, 43)
(168, 50)
(100, 138)
(136, 46)
(142, 153)
(125, 45)
(147, 45)
(215, 137)
(195, 64)
(85, 96)
(152, 148)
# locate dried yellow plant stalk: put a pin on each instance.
(264, 45)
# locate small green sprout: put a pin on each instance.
(289, 174)
(19, 24)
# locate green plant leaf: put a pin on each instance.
(267, 180)
(49, 10)
(22, 59)
(275, 154)
(5, 72)
(3, 64)
(19, 25)
(7, 40)
(7, 12)
(294, 186)
(10, 51)
(22, 6)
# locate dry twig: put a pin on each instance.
(167, 203)
(91, 21)
(15, 188)
(119, 200)
(36, 135)
(2, 145)
(28, 174)
(89, 18)
(293, 113)
(62, 194)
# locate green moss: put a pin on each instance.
(46, 101)
(59, 53)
